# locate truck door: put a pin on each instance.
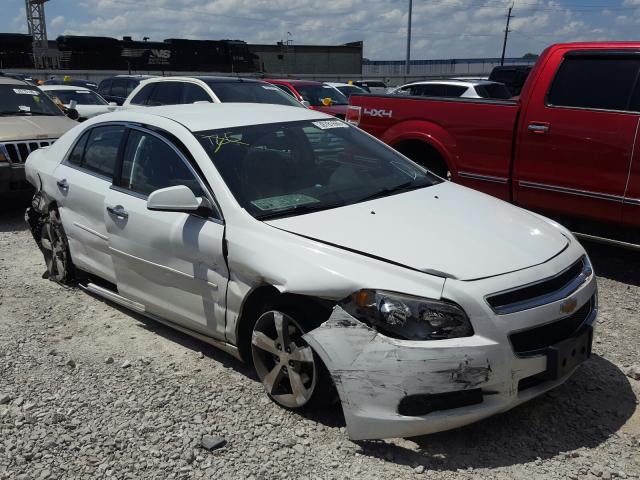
(631, 205)
(576, 135)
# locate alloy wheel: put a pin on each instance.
(283, 361)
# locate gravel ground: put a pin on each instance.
(89, 390)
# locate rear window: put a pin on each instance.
(598, 83)
(251, 92)
(166, 93)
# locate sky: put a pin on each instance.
(441, 28)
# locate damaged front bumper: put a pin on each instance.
(400, 388)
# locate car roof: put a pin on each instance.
(293, 81)
(64, 87)
(341, 84)
(214, 116)
(461, 83)
(204, 78)
(12, 81)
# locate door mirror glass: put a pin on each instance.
(305, 103)
(175, 199)
(72, 113)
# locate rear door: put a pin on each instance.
(170, 262)
(83, 180)
(575, 144)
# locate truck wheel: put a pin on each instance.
(55, 248)
(290, 371)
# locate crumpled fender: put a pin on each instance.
(372, 373)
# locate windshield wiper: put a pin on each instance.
(385, 192)
(299, 210)
(24, 112)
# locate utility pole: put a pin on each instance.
(407, 67)
(506, 34)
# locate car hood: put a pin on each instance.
(31, 128)
(445, 230)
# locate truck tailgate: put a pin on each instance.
(475, 136)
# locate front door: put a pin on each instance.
(170, 262)
(576, 136)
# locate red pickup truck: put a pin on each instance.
(568, 146)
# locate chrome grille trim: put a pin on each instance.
(563, 290)
(17, 152)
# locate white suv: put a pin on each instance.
(159, 91)
(455, 88)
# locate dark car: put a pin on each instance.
(75, 82)
(512, 76)
(25, 77)
(117, 89)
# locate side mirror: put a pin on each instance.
(113, 104)
(305, 103)
(72, 113)
(178, 199)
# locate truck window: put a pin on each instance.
(598, 83)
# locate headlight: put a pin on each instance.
(408, 317)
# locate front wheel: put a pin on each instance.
(291, 373)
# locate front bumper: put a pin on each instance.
(12, 178)
(386, 385)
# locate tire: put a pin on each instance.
(55, 248)
(290, 371)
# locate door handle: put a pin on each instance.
(538, 128)
(63, 184)
(118, 211)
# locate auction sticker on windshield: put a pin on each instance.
(21, 91)
(326, 124)
(283, 201)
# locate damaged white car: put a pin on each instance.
(337, 266)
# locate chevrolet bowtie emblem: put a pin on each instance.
(568, 306)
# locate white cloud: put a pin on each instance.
(57, 21)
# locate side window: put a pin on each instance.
(143, 95)
(454, 90)
(149, 164)
(101, 151)
(192, 93)
(166, 93)
(602, 83)
(105, 87)
(75, 158)
(119, 87)
(131, 86)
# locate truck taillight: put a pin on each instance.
(353, 115)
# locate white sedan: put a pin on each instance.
(335, 265)
(87, 102)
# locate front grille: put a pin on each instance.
(19, 151)
(542, 292)
(544, 336)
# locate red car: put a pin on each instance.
(568, 146)
(314, 95)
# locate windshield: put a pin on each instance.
(82, 97)
(284, 169)
(493, 90)
(251, 92)
(314, 94)
(351, 89)
(25, 100)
